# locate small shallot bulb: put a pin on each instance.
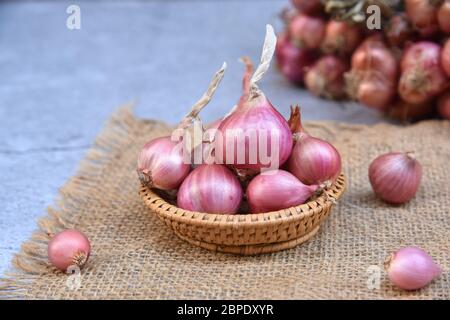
(341, 37)
(423, 76)
(307, 31)
(276, 190)
(162, 163)
(68, 248)
(326, 77)
(411, 268)
(210, 188)
(313, 160)
(395, 177)
(372, 79)
(254, 135)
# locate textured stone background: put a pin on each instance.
(59, 86)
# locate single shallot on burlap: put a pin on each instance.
(135, 256)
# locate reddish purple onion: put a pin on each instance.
(313, 160)
(326, 77)
(161, 164)
(307, 31)
(212, 189)
(68, 248)
(411, 268)
(372, 79)
(395, 177)
(276, 190)
(340, 37)
(422, 75)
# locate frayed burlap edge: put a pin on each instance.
(28, 262)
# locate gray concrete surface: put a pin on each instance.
(58, 86)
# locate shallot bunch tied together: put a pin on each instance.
(401, 68)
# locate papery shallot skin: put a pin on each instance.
(372, 79)
(276, 190)
(161, 164)
(340, 37)
(314, 161)
(254, 135)
(326, 77)
(255, 118)
(211, 189)
(412, 268)
(373, 54)
(395, 177)
(307, 31)
(422, 53)
(422, 76)
(68, 248)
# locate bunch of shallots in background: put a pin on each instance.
(402, 69)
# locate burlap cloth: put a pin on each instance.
(135, 256)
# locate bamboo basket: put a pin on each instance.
(247, 234)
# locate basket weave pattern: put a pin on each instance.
(247, 233)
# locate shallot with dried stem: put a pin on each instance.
(163, 163)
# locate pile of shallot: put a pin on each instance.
(253, 160)
(250, 160)
(402, 69)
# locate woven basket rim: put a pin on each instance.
(172, 212)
